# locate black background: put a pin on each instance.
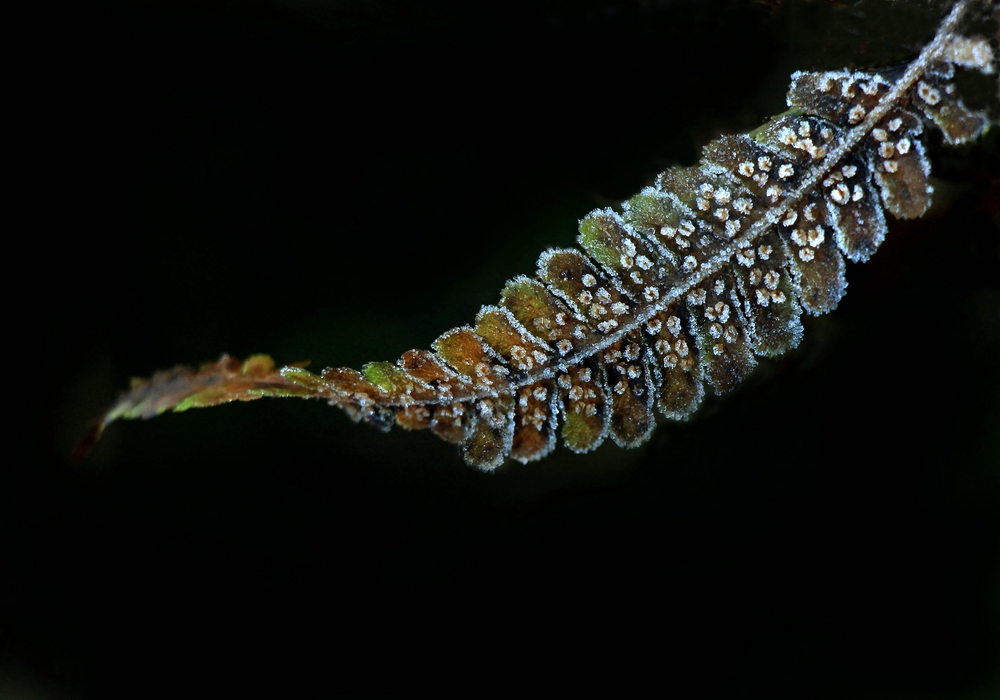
(342, 181)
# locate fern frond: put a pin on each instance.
(685, 286)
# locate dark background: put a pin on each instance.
(342, 181)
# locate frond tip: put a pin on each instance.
(227, 379)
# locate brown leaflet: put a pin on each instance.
(631, 390)
(719, 329)
(535, 421)
(674, 362)
(491, 433)
(769, 301)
